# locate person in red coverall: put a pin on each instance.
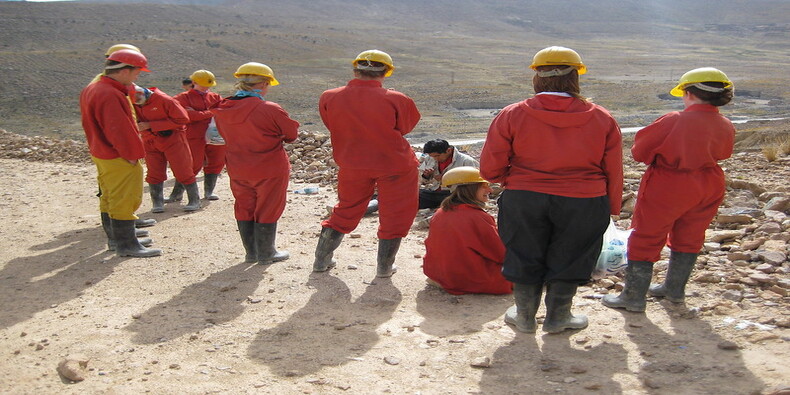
(116, 148)
(209, 157)
(681, 189)
(254, 130)
(559, 159)
(162, 123)
(367, 123)
(463, 252)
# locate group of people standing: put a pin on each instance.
(557, 156)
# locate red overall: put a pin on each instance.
(367, 123)
(683, 186)
(574, 149)
(163, 113)
(254, 131)
(210, 158)
(463, 252)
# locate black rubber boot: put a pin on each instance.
(678, 272)
(194, 197)
(327, 244)
(388, 248)
(106, 224)
(176, 194)
(637, 279)
(209, 182)
(559, 299)
(126, 243)
(265, 234)
(144, 223)
(247, 232)
(157, 197)
(522, 314)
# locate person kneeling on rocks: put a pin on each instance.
(463, 252)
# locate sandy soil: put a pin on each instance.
(198, 320)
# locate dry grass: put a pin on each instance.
(784, 146)
(771, 152)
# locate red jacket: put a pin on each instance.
(197, 105)
(162, 112)
(254, 131)
(367, 123)
(695, 138)
(556, 145)
(107, 119)
(464, 253)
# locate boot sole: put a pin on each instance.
(514, 323)
(627, 308)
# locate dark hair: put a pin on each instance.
(437, 146)
(186, 81)
(110, 63)
(568, 83)
(463, 194)
(713, 98)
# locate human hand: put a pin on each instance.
(143, 125)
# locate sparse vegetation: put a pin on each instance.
(770, 152)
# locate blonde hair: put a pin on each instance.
(245, 82)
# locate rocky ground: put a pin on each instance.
(197, 320)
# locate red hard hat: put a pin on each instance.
(130, 57)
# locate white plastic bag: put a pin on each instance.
(212, 134)
(613, 258)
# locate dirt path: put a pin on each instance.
(197, 320)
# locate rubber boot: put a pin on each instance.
(127, 243)
(106, 224)
(194, 197)
(678, 272)
(327, 244)
(157, 198)
(637, 279)
(559, 298)
(176, 194)
(388, 248)
(265, 234)
(522, 314)
(144, 223)
(247, 232)
(209, 182)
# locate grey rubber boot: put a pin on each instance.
(209, 182)
(522, 314)
(157, 197)
(265, 234)
(637, 279)
(247, 232)
(559, 299)
(106, 224)
(194, 197)
(385, 260)
(176, 194)
(126, 243)
(678, 272)
(144, 223)
(327, 244)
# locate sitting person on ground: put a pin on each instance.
(463, 251)
(439, 157)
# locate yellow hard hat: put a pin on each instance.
(374, 55)
(118, 47)
(255, 68)
(558, 56)
(461, 176)
(702, 74)
(203, 78)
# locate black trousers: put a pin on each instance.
(551, 238)
(432, 199)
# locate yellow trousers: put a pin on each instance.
(121, 185)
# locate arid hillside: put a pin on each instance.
(450, 56)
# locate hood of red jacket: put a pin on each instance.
(235, 111)
(546, 108)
